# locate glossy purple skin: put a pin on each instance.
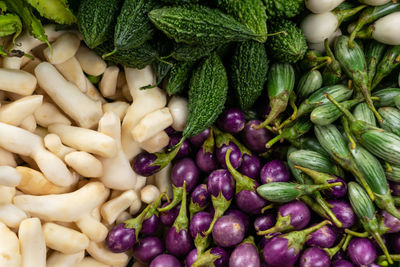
(255, 139)
(207, 162)
(231, 120)
(147, 249)
(220, 262)
(191, 257)
(361, 251)
(395, 188)
(336, 191)
(149, 226)
(299, 212)
(241, 216)
(244, 255)
(199, 139)
(395, 243)
(228, 231)
(200, 223)
(264, 222)
(120, 239)
(277, 254)
(342, 263)
(250, 202)
(391, 222)
(142, 162)
(165, 260)
(235, 157)
(170, 131)
(221, 181)
(178, 243)
(274, 171)
(185, 170)
(324, 237)
(200, 195)
(343, 212)
(184, 150)
(315, 257)
(250, 166)
(168, 218)
(340, 255)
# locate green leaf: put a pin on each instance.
(3, 7)
(10, 24)
(56, 10)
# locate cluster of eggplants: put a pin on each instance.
(238, 203)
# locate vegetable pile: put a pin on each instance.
(256, 132)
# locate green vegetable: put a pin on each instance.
(10, 24)
(365, 211)
(318, 177)
(308, 84)
(29, 20)
(199, 25)
(280, 84)
(373, 54)
(292, 131)
(56, 10)
(3, 7)
(389, 62)
(362, 112)
(333, 71)
(283, 8)
(249, 12)
(392, 174)
(313, 59)
(249, 72)
(208, 89)
(354, 65)
(309, 143)
(185, 52)
(327, 114)
(134, 58)
(288, 47)
(386, 97)
(397, 101)
(178, 77)
(391, 119)
(96, 20)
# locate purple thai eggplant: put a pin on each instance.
(255, 139)
(199, 199)
(191, 257)
(220, 186)
(250, 166)
(274, 171)
(152, 219)
(294, 215)
(324, 237)
(264, 222)
(147, 249)
(198, 225)
(232, 120)
(343, 212)
(245, 254)
(394, 188)
(198, 139)
(315, 257)
(241, 216)
(247, 198)
(167, 218)
(361, 251)
(184, 171)
(284, 250)
(206, 159)
(178, 241)
(342, 263)
(228, 231)
(165, 260)
(389, 224)
(184, 149)
(214, 257)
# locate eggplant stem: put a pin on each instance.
(270, 206)
(388, 166)
(325, 206)
(382, 245)
(347, 242)
(357, 234)
(273, 141)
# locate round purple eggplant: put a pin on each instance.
(361, 251)
(324, 237)
(274, 171)
(144, 164)
(165, 260)
(120, 238)
(199, 200)
(241, 216)
(200, 223)
(228, 231)
(170, 131)
(390, 223)
(250, 166)
(206, 161)
(343, 212)
(395, 188)
(147, 249)
(294, 215)
(191, 257)
(167, 218)
(255, 139)
(315, 257)
(264, 222)
(235, 157)
(336, 191)
(184, 150)
(217, 257)
(342, 263)
(199, 139)
(232, 120)
(150, 225)
(395, 242)
(245, 254)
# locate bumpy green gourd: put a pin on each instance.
(249, 12)
(96, 20)
(289, 46)
(283, 8)
(178, 77)
(249, 72)
(199, 25)
(185, 52)
(208, 89)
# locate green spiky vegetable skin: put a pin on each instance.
(250, 12)
(283, 8)
(290, 47)
(249, 72)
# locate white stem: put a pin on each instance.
(9, 248)
(64, 48)
(63, 239)
(72, 71)
(33, 245)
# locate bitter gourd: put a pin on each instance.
(178, 77)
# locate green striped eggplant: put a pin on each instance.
(332, 73)
(354, 65)
(392, 172)
(309, 143)
(397, 101)
(386, 97)
(373, 54)
(280, 84)
(391, 119)
(365, 211)
(388, 63)
(308, 84)
(292, 131)
(363, 113)
(327, 114)
(313, 59)
(376, 179)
